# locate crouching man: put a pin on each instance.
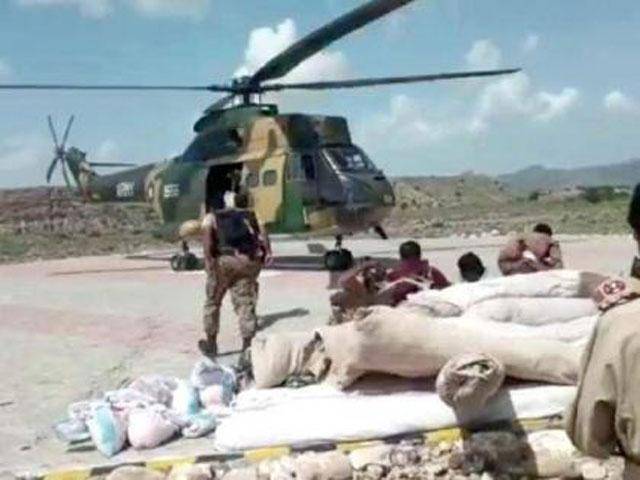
(605, 416)
(370, 284)
(533, 252)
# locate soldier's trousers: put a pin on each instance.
(239, 275)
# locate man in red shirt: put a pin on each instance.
(414, 274)
(368, 284)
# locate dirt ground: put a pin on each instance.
(73, 328)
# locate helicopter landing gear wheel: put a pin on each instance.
(339, 259)
(181, 262)
(184, 261)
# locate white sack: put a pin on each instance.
(150, 427)
(320, 413)
(576, 330)
(533, 311)
(553, 283)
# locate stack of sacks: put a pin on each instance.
(464, 297)
(535, 325)
(554, 305)
(152, 409)
(405, 343)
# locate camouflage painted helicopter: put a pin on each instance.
(303, 172)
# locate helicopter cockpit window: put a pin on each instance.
(349, 159)
(269, 178)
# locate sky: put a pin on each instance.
(576, 101)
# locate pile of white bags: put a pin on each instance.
(153, 409)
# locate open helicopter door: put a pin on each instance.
(265, 181)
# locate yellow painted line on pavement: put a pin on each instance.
(78, 474)
(166, 464)
(255, 456)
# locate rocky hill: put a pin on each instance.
(542, 178)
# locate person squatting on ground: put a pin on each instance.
(235, 249)
(470, 267)
(605, 416)
(370, 284)
(529, 253)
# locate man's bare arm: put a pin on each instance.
(209, 245)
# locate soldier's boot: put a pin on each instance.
(209, 346)
(244, 361)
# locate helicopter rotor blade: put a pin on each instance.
(53, 132)
(66, 132)
(370, 82)
(311, 44)
(220, 104)
(112, 164)
(52, 167)
(204, 88)
(65, 175)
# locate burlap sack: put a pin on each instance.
(276, 357)
(466, 382)
(405, 343)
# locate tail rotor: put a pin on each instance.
(59, 151)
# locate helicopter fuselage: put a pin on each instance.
(303, 173)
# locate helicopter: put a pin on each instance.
(303, 172)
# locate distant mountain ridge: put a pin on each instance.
(541, 178)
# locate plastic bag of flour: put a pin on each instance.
(150, 427)
(108, 430)
(218, 380)
(200, 425)
(185, 401)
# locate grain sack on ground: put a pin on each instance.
(405, 343)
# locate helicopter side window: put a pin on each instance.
(252, 180)
(269, 178)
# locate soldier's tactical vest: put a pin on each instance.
(236, 232)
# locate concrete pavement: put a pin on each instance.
(73, 328)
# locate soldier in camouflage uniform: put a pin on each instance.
(235, 249)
